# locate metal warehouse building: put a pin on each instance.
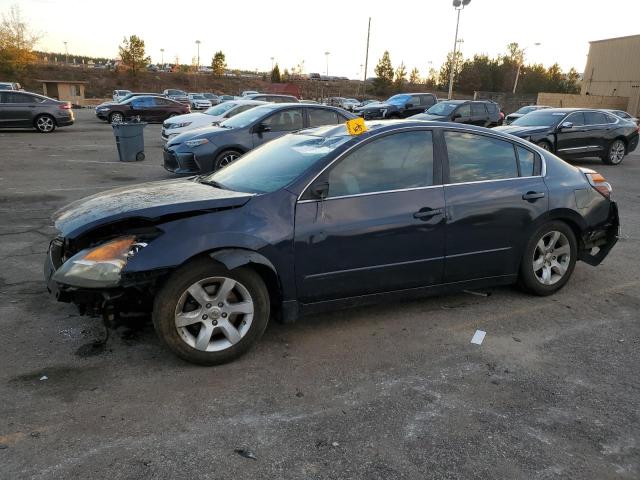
(613, 68)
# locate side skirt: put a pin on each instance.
(292, 310)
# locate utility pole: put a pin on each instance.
(326, 54)
(162, 57)
(515, 83)
(366, 61)
(459, 6)
(66, 54)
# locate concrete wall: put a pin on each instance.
(509, 102)
(613, 69)
(582, 101)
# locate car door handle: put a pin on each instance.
(532, 195)
(427, 213)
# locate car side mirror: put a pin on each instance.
(320, 190)
(565, 125)
(262, 127)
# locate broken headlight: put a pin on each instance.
(99, 267)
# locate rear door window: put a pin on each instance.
(527, 161)
(474, 158)
(427, 101)
(594, 118)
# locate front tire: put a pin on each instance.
(543, 144)
(225, 158)
(615, 153)
(209, 315)
(45, 123)
(549, 259)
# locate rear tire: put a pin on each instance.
(548, 259)
(44, 123)
(209, 315)
(615, 153)
(225, 158)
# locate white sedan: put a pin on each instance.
(214, 115)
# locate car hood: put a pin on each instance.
(148, 200)
(429, 116)
(198, 117)
(521, 131)
(375, 106)
(107, 104)
(204, 132)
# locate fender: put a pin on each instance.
(237, 257)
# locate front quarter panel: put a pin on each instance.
(263, 225)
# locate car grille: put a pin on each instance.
(184, 163)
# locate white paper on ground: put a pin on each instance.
(478, 337)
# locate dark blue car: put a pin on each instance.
(319, 219)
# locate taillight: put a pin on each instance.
(64, 106)
(600, 183)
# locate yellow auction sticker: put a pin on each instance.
(356, 126)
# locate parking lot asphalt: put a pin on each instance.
(384, 392)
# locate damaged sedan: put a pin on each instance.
(320, 219)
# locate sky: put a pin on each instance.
(418, 33)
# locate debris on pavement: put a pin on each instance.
(246, 453)
(478, 294)
(44, 377)
(478, 337)
(335, 444)
(516, 339)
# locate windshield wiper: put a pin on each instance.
(215, 184)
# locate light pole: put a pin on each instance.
(459, 6)
(162, 57)
(326, 54)
(515, 84)
(66, 53)
(198, 61)
(272, 59)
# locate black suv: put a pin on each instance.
(402, 105)
(483, 113)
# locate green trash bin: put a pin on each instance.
(130, 140)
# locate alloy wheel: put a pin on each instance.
(45, 124)
(616, 152)
(214, 314)
(228, 158)
(116, 118)
(551, 257)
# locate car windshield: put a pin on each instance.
(198, 97)
(276, 163)
(442, 108)
(540, 118)
(220, 109)
(245, 119)
(398, 99)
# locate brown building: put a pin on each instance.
(613, 69)
(65, 90)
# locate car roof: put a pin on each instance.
(251, 102)
(380, 126)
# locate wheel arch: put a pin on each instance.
(45, 114)
(242, 257)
